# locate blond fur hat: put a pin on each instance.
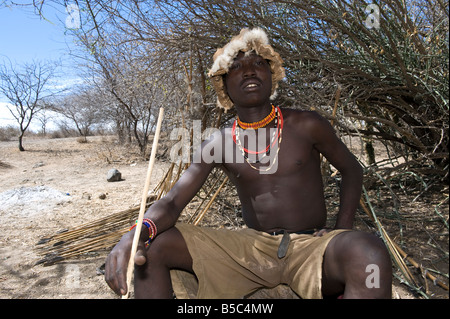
(247, 41)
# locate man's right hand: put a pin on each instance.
(117, 262)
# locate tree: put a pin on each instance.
(26, 87)
(84, 108)
(135, 74)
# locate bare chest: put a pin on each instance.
(289, 157)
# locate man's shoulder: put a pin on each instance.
(296, 116)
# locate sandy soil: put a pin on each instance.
(54, 185)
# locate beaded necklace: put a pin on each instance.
(256, 125)
(277, 135)
(236, 139)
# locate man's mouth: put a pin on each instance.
(250, 84)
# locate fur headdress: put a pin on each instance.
(247, 41)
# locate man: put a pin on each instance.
(272, 156)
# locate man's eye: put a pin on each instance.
(234, 66)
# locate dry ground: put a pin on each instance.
(56, 183)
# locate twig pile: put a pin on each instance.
(89, 237)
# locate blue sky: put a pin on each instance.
(24, 36)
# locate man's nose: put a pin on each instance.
(248, 70)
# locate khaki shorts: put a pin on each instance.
(233, 264)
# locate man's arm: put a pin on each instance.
(164, 213)
(335, 151)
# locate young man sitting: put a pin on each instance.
(272, 156)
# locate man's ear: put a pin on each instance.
(225, 89)
(224, 79)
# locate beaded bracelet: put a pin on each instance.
(151, 228)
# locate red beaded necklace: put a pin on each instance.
(256, 125)
(279, 124)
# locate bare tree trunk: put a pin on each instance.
(21, 142)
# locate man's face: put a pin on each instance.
(249, 80)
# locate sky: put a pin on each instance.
(24, 36)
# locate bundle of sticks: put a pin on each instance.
(88, 237)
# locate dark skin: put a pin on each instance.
(290, 198)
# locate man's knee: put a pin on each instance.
(367, 264)
(359, 246)
(359, 259)
(374, 251)
(169, 249)
(162, 244)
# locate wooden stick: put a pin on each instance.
(143, 203)
(336, 102)
(390, 245)
(435, 280)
